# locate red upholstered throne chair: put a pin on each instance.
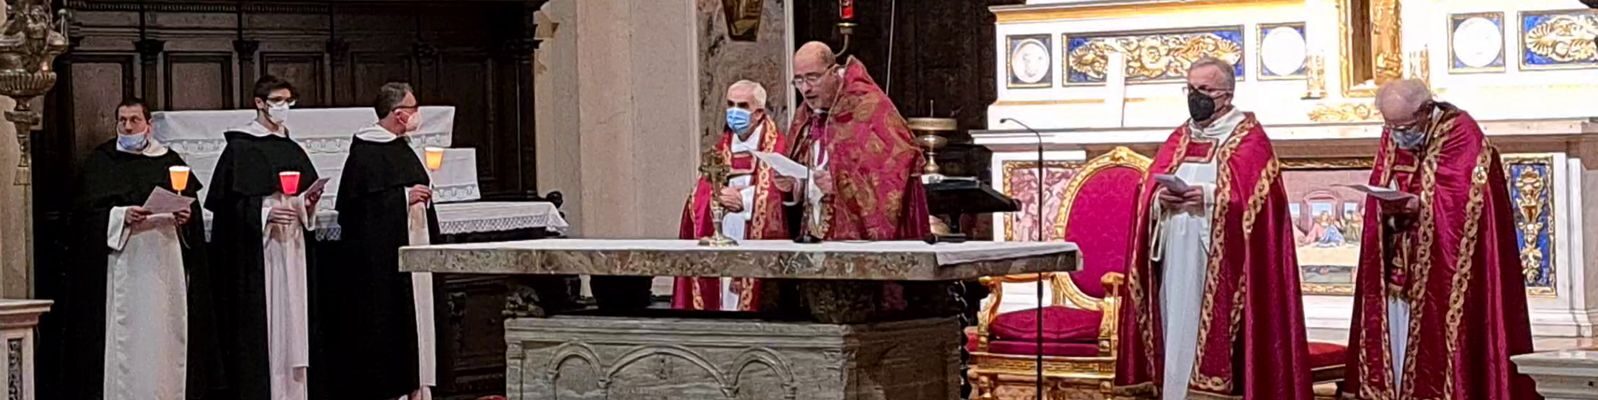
(1080, 324)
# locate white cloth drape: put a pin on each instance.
(146, 303)
(422, 293)
(283, 248)
(1183, 248)
(1398, 334)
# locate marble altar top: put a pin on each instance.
(894, 261)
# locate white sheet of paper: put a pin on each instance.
(163, 201)
(1380, 192)
(317, 187)
(782, 165)
(1172, 183)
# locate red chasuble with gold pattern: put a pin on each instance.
(873, 161)
(1455, 262)
(1251, 340)
(765, 220)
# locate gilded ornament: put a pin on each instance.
(1345, 112)
(1531, 176)
(1564, 38)
(1149, 57)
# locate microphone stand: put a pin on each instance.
(1039, 310)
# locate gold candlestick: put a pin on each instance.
(930, 140)
(715, 170)
(28, 46)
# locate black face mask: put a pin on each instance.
(1200, 106)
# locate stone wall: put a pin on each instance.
(724, 59)
(626, 91)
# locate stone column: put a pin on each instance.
(617, 109)
(16, 240)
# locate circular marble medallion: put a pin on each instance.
(1478, 42)
(1282, 51)
(1029, 62)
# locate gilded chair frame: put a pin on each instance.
(1065, 377)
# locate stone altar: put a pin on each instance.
(1563, 375)
(850, 320)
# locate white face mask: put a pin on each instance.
(277, 112)
(414, 122)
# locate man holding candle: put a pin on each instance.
(261, 199)
(141, 294)
(380, 332)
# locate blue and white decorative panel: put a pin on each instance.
(1476, 42)
(1030, 61)
(1283, 51)
(1531, 188)
(1151, 57)
(1558, 39)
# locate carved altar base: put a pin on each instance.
(583, 357)
(838, 320)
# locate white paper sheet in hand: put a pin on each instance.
(1380, 192)
(163, 201)
(781, 164)
(1172, 183)
(317, 187)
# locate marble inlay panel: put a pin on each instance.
(756, 50)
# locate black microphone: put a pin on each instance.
(1039, 360)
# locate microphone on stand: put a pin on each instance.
(1039, 198)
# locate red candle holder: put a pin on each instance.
(289, 181)
(846, 10)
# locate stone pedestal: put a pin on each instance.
(592, 357)
(17, 321)
(1563, 375)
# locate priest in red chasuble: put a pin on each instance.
(864, 184)
(1214, 309)
(750, 198)
(1440, 304)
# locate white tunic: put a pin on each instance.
(736, 225)
(1183, 247)
(146, 303)
(283, 256)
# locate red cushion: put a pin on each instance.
(1323, 354)
(1101, 215)
(1060, 324)
(1049, 349)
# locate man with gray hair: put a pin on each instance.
(750, 197)
(377, 321)
(1214, 239)
(1442, 251)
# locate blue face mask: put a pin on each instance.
(1410, 139)
(738, 119)
(133, 142)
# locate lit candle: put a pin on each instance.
(180, 177)
(846, 10)
(434, 156)
(290, 182)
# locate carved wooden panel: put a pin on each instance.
(474, 110)
(370, 71)
(304, 69)
(100, 82)
(206, 81)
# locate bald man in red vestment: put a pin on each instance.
(1214, 308)
(865, 184)
(1440, 302)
